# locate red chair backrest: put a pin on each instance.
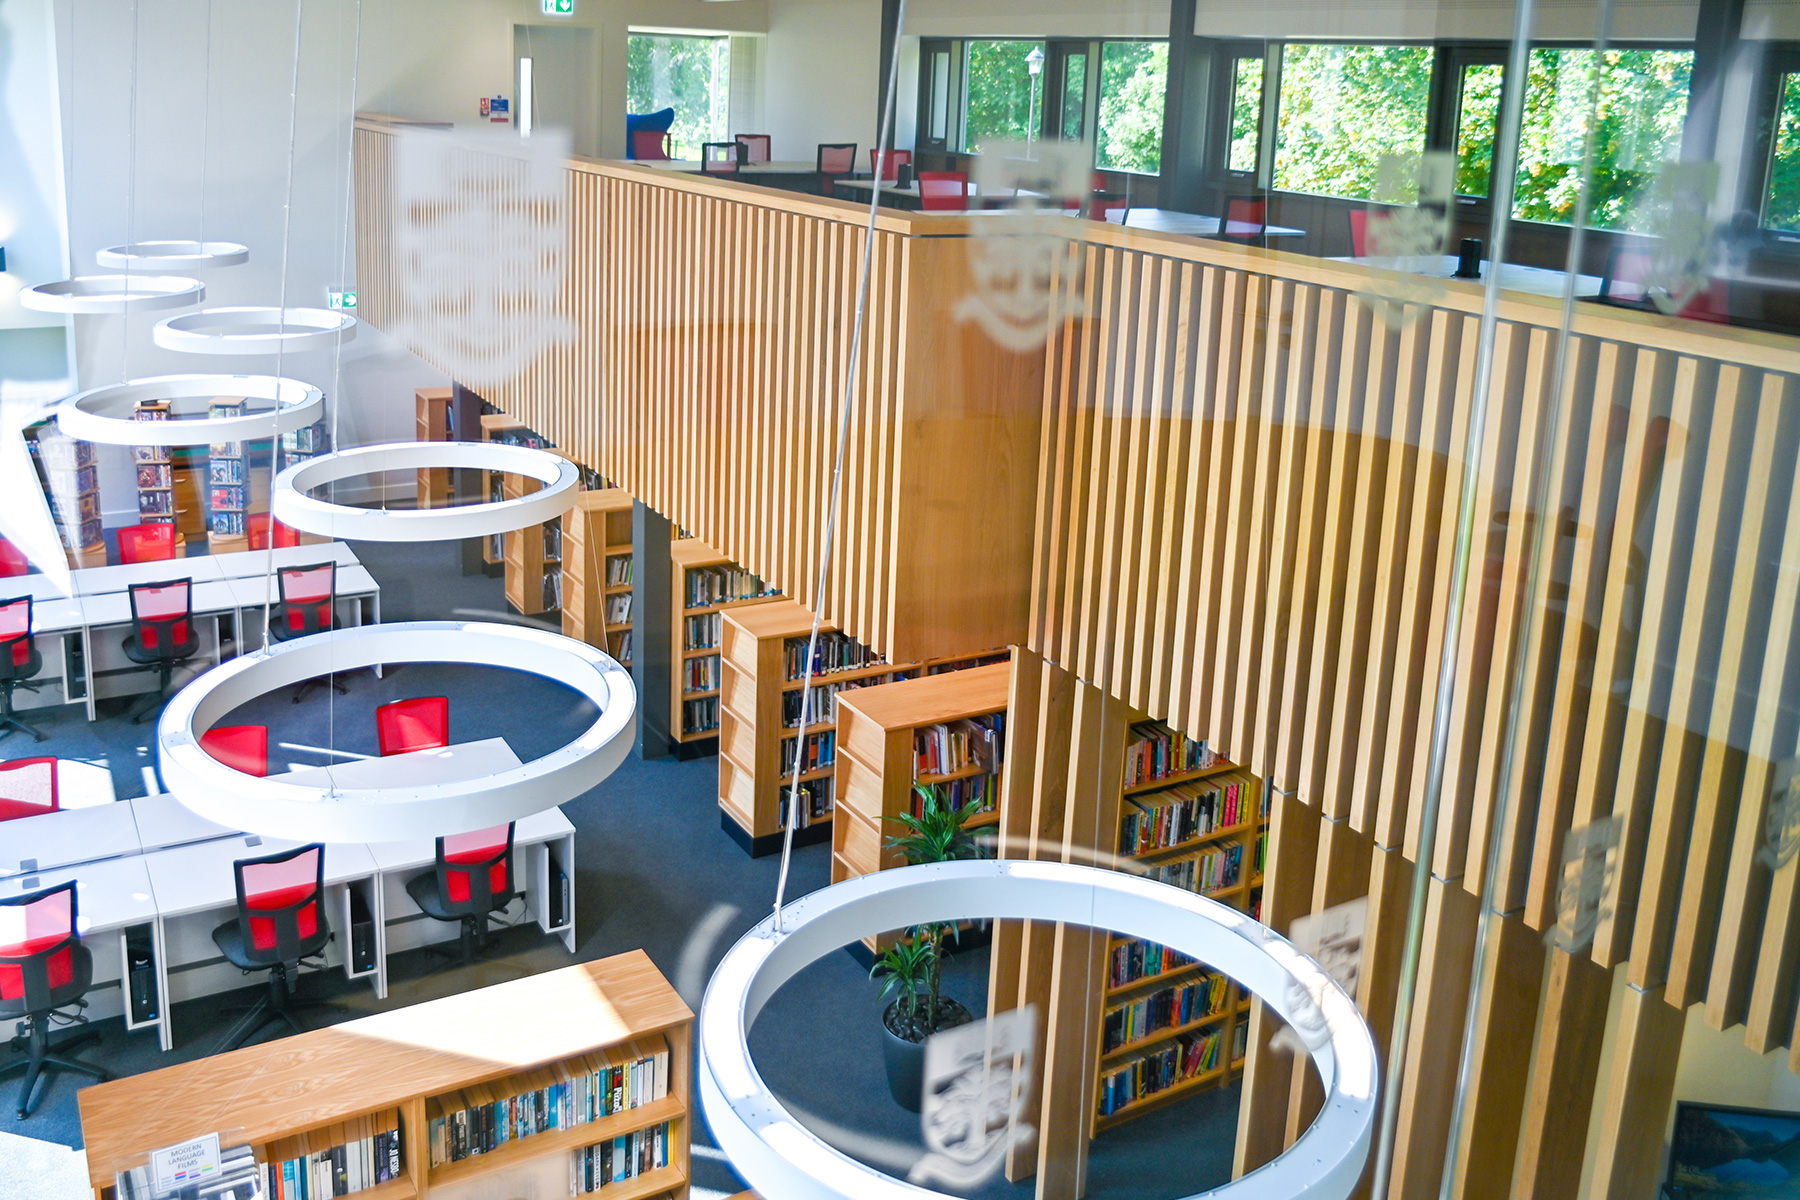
(1359, 232)
(1245, 217)
(836, 158)
(888, 165)
(15, 636)
(28, 788)
(146, 543)
(307, 596)
(241, 747)
(720, 158)
(12, 560)
(37, 945)
(258, 528)
(278, 903)
(756, 146)
(462, 858)
(422, 723)
(160, 616)
(1100, 210)
(943, 191)
(649, 143)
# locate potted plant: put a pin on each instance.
(911, 970)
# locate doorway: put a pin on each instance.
(555, 78)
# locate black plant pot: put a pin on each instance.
(905, 1058)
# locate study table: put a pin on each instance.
(1515, 277)
(1168, 220)
(691, 166)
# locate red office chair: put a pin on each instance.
(258, 529)
(308, 605)
(650, 144)
(721, 158)
(1246, 220)
(1101, 208)
(1627, 283)
(472, 878)
(888, 165)
(835, 160)
(1359, 232)
(146, 543)
(280, 921)
(43, 968)
(943, 191)
(241, 747)
(19, 661)
(422, 723)
(12, 560)
(28, 788)
(756, 146)
(163, 634)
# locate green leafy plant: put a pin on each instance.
(913, 966)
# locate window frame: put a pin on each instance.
(1780, 60)
(1443, 119)
(954, 64)
(962, 122)
(1223, 104)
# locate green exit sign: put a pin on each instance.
(342, 300)
(560, 8)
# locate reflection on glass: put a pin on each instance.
(1637, 115)
(1246, 114)
(1134, 78)
(692, 75)
(999, 92)
(1074, 103)
(940, 93)
(1781, 209)
(1477, 120)
(1342, 110)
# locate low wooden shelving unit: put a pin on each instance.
(486, 1041)
(597, 550)
(698, 631)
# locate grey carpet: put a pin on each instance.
(653, 871)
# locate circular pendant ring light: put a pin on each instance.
(104, 414)
(173, 256)
(271, 807)
(253, 329)
(91, 295)
(295, 507)
(778, 1156)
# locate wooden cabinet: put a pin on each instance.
(597, 585)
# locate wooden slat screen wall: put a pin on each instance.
(713, 324)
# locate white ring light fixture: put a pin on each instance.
(295, 507)
(172, 256)
(91, 295)
(777, 1156)
(104, 414)
(269, 806)
(253, 329)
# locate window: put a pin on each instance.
(1636, 118)
(1246, 114)
(1477, 126)
(1781, 205)
(1342, 109)
(692, 75)
(1134, 80)
(1002, 92)
(1074, 96)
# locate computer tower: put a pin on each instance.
(362, 934)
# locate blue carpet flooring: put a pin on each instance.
(653, 870)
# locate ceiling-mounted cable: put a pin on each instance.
(130, 196)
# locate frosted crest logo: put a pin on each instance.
(1781, 827)
(1022, 268)
(482, 227)
(1333, 938)
(1683, 246)
(1584, 895)
(977, 1077)
(1412, 231)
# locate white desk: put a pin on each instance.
(354, 584)
(38, 587)
(691, 166)
(91, 581)
(105, 614)
(61, 839)
(1514, 277)
(465, 760)
(111, 897)
(163, 821)
(245, 563)
(1167, 220)
(83, 785)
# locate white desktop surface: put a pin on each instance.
(62, 614)
(691, 166)
(253, 590)
(114, 608)
(163, 821)
(1168, 220)
(199, 877)
(1514, 277)
(464, 760)
(244, 564)
(38, 587)
(108, 895)
(83, 785)
(91, 581)
(422, 852)
(58, 839)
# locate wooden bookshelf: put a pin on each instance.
(690, 556)
(432, 408)
(533, 557)
(596, 540)
(493, 551)
(491, 1038)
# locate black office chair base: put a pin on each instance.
(147, 709)
(262, 1014)
(306, 687)
(41, 1055)
(8, 723)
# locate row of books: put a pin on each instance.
(1156, 1070)
(626, 1157)
(718, 585)
(959, 745)
(618, 609)
(700, 716)
(619, 646)
(1140, 959)
(618, 570)
(981, 790)
(218, 470)
(520, 436)
(158, 475)
(552, 541)
(338, 1160)
(479, 1119)
(815, 802)
(71, 480)
(309, 440)
(1155, 752)
(1240, 1040)
(1208, 872)
(824, 698)
(1165, 1008)
(553, 589)
(700, 674)
(986, 660)
(836, 652)
(821, 752)
(702, 633)
(1180, 814)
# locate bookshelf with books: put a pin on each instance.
(704, 586)
(596, 567)
(453, 1097)
(434, 417)
(70, 478)
(228, 501)
(531, 558)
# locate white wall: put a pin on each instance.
(823, 67)
(1375, 19)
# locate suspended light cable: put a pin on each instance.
(281, 316)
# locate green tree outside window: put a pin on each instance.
(1343, 108)
(1477, 128)
(1134, 80)
(1782, 208)
(1246, 114)
(999, 92)
(692, 75)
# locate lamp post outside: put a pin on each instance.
(1034, 62)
